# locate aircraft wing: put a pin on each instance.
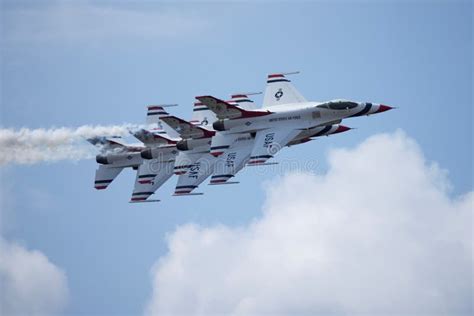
(268, 142)
(232, 161)
(195, 175)
(224, 109)
(185, 128)
(151, 174)
(104, 175)
(186, 159)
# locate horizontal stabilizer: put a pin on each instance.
(224, 109)
(106, 143)
(151, 138)
(186, 129)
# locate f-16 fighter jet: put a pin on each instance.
(194, 163)
(194, 142)
(151, 174)
(114, 156)
(197, 160)
(286, 118)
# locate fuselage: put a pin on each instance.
(132, 156)
(300, 116)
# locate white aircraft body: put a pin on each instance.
(151, 173)
(194, 163)
(114, 157)
(286, 118)
(197, 160)
(221, 138)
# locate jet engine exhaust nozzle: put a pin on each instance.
(101, 159)
(182, 145)
(146, 154)
(219, 126)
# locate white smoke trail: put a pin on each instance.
(29, 146)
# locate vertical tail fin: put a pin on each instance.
(243, 101)
(202, 115)
(153, 118)
(154, 112)
(279, 90)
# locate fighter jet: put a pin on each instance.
(197, 160)
(151, 173)
(195, 163)
(114, 156)
(286, 118)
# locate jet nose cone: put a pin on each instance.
(383, 108)
(341, 129)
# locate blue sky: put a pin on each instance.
(70, 64)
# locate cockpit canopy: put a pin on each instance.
(338, 105)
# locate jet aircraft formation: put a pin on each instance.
(221, 138)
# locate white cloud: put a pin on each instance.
(85, 21)
(29, 283)
(377, 234)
